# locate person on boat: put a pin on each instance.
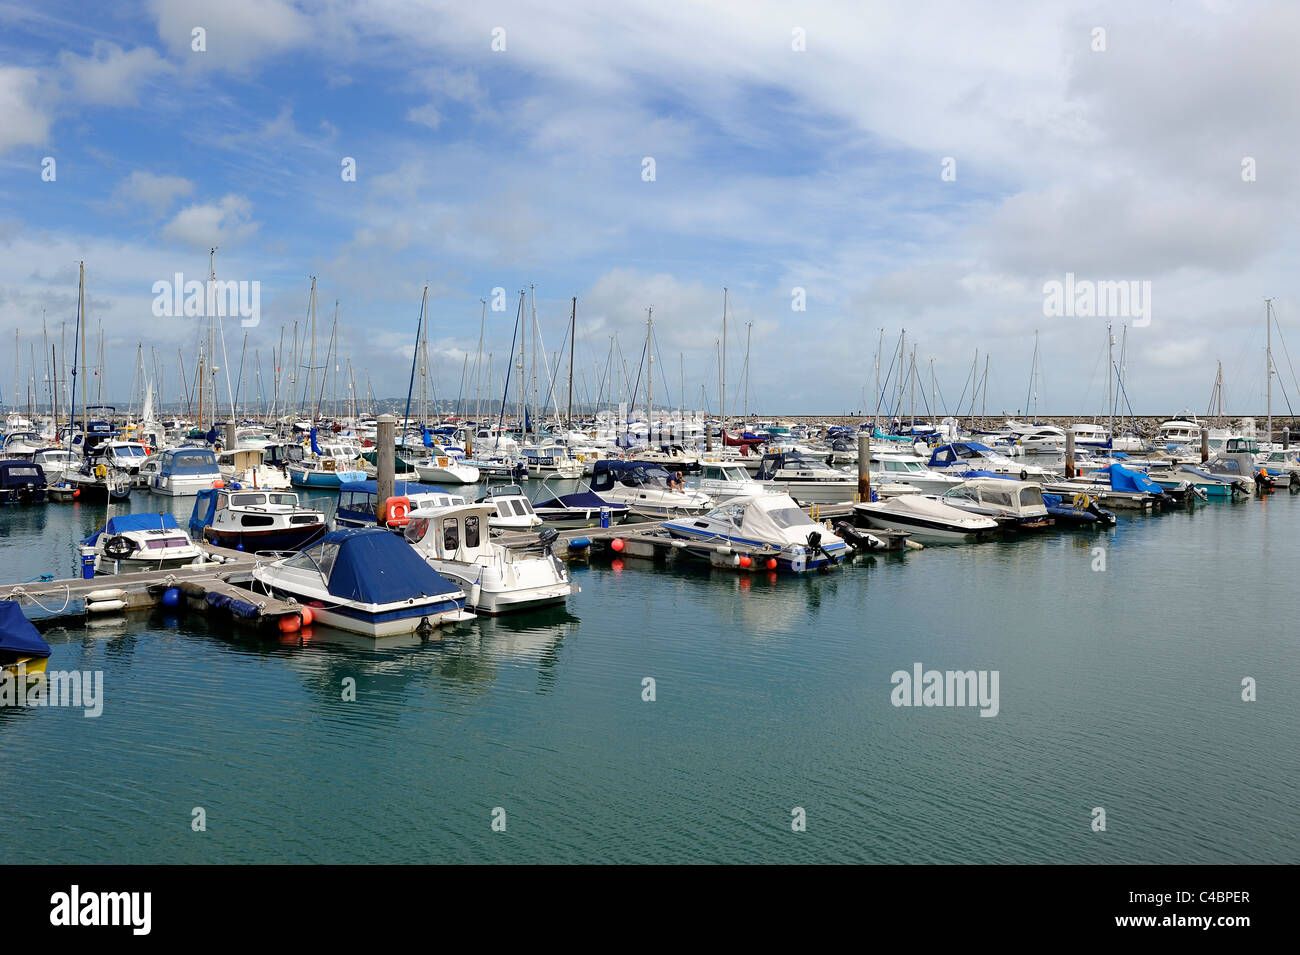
(675, 483)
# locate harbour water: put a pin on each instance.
(1120, 688)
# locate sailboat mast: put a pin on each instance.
(1268, 366)
(573, 326)
(650, 373)
(1110, 379)
(81, 321)
(722, 386)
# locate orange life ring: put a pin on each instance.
(396, 512)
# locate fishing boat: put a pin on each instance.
(255, 520)
(645, 490)
(365, 580)
(359, 504)
(21, 482)
(22, 648)
(578, 509)
(131, 542)
(806, 480)
(457, 543)
(444, 469)
(1015, 505)
(184, 471)
(513, 511)
(926, 519)
(773, 522)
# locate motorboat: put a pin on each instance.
(255, 520)
(806, 480)
(1281, 468)
(1013, 504)
(184, 471)
(126, 456)
(670, 457)
(1081, 510)
(959, 457)
(359, 504)
(444, 469)
(246, 467)
(324, 471)
(130, 542)
(910, 469)
(458, 544)
(925, 518)
(365, 580)
(551, 460)
(1042, 439)
(21, 444)
(578, 509)
(726, 482)
(644, 488)
(773, 522)
(95, 482)
(22, 648)
(512, 510)
(53, 463)
(21, 482)
(1090, 435)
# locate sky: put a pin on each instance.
(847, 171)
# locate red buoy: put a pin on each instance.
(290, 623)
(76, 492)
(617, 545)
(771, 563)
(745, 560)
(307, 616)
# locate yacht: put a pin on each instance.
(457, 543)
(184, 471)
(366, 580)
(784, 534)
(1013, 504)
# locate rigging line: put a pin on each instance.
(1286, 353)
(884, 385)
(514, 336)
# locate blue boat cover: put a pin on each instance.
(1126, 479)
(314, 448)
(376, 566)
(17, 635)
(133, 522)
(581, 499)
(205, 511)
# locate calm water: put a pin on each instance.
(1118, 689)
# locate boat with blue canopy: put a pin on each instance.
(21, 646)
(130, 542)
(359, 504)
(366, 580)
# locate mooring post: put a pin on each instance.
(1069, 455)
(864, 466)
(1286, 439)
(385, 455)
(230, 435)
(1205, 445)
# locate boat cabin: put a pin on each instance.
(359, 504)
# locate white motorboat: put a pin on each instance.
(1013, 504)
(578, 509)
(497, 579)
(512, 510)
(366, 580)
(726, 482)
(184, 471)
(806, 480)
(793, 541)
(246, 468)
(131, 542)
(963, 457)
(551, 460)
(54, 462)
(644, 488)
(926, 519)
(444, 469)
(909, 469)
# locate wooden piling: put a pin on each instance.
(1205, 445)
(1069, 455)
(864, 466)
(385, 460)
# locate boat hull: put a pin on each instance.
(280, 539)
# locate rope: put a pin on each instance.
(20, 592)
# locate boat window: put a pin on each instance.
(450, 535)
(1031, 497)
(257, 520)
(416, 530)
(303, 519)
(1000, 498)
(162, 543)
(248, 500)
(289, 499)
(471, 532)
(789, 517)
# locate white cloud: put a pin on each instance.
(25, 123)
(154, 191)
(203, 225)
(240, 34)
(110, 75)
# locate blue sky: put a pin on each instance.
(776, 169)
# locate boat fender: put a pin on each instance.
(104, 606)
(113, 593)
(1024, 475)
(580, 543)
(475, 594)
